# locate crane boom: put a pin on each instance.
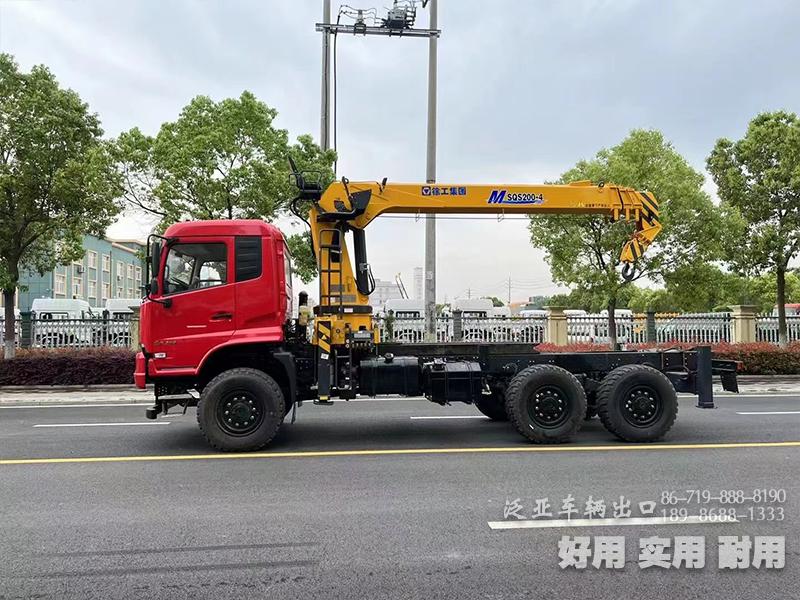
(349, 207)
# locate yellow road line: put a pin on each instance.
(100, 459)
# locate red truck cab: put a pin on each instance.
(218, 284)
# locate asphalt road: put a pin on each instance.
(307, 524)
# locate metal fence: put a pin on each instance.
(17, 331)
(767, 329)
(504, 329)
(412, 330)
(449, 329)
(594, 329)
(76, 333)
(710, 328)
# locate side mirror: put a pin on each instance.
(153, 287)
(156, 258)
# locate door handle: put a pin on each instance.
(222, 317)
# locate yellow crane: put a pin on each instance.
(348, 207)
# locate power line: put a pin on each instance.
(455, 218)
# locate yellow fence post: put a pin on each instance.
(744, 323)
(556, 325)
(135, 343)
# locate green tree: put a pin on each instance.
(495, 300)
(585, 250)
(646, 299)
(57, 178)
(220, 160)
(758, 181)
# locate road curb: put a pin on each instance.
(5, 402)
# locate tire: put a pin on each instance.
(249, 395)
(637, 403)
(558, 393)
(493, 406)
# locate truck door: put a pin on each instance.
(198, 285)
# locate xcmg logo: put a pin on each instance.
(503, 197)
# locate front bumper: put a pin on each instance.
(140, 374)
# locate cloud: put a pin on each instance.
(525, 90)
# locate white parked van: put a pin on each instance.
(120, 308)
(60, 322)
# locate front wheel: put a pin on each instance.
(240, 410)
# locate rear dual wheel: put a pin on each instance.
(546, 404)
(637, 403)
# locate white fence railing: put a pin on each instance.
(498, 329)
(767, 329)
(80, 333)
(489, 329)
(711, 328)
(412, 330)
(594, 329)
(17, 331)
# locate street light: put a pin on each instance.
(399, 21)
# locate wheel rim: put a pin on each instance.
(642, 406)
(549, 407)
(240, 413)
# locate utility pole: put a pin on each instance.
(430, 177)
(325, 123)
(399, 22)
(509, 291)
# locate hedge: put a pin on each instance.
(67, 366)
(760, 358)
(98, 366)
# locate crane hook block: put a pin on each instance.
(628, 271)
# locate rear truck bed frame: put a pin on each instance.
(545, 395)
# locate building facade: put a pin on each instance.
(418, 293)
(110, 268)
(384, 290)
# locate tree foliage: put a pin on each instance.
(220, 160)
(711, 290)
(495, 301)
(57, 178)
(758, 181)
(585, 250)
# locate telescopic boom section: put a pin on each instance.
(348, 206)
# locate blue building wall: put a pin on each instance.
(108, 269)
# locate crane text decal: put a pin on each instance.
(503, 197)
(443, 190)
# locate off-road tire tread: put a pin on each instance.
(515, 387)
(275, 389)
(603, 397)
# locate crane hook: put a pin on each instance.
(628, 271)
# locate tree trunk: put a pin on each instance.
(612, 322)
(782, 341)
(9, 321)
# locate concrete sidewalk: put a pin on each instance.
(787, 385)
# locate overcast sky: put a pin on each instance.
(526, 88)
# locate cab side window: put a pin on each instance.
(195, 266)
